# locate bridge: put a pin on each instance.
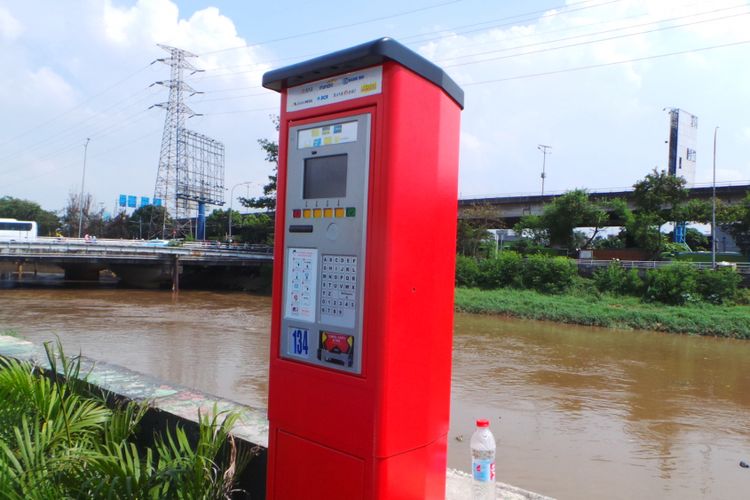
(144, 264)
(510, 208)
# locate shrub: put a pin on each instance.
(467, 271)
(616, 279)
(675, 284)
(718, 286)
(60, 440)
(503, 271)
(548, 274)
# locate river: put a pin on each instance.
(579, 412)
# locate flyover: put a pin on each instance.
(139, 263)
(509, 209)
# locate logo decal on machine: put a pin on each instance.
(331, 90)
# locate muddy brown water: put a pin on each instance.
(578, 412)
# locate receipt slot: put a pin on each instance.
(361, 332)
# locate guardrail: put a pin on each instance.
(742, 267)
(51, 247)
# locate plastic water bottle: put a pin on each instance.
(483, 462)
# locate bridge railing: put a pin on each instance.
(109, 247)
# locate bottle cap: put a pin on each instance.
(483, 423)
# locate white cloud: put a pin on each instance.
(150, 21)
(49, 86)
(10, 27)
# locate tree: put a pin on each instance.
(16, 208)
(739, 228)
(268, 200)
(118, 227)
(563, 215)
(71, 217)
(658, 199)
(148, 221)
(472, 232)
(660, 192)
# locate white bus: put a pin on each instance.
(17, 230)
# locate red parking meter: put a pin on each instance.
(359, 384)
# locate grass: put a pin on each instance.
(609, 311)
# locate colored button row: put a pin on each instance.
(317, 213)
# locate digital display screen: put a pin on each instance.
(325, 177)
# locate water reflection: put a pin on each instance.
(578, 412)
(607, 414)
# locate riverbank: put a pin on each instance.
(609, 311)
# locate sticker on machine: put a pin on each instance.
(301, 284)
(337, 133)
(337, 89)
(336, 348)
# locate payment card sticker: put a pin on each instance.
(301, 284)
(339, 133)
(298, 342)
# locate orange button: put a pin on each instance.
(306, 213)
(317, 213)
(340, 212)
(327, 212)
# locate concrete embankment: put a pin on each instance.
(173, 404)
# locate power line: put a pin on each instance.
(589, 42)
(98, 155)
(88, 99)
(558, 10)
(333, 28)
(74, 128)
(564, 9)
(604, 32)
(602, 65)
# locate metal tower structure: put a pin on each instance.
(191, 165)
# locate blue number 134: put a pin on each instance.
(299, 342)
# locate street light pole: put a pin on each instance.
(545, 151)
(713, 209)
(83, 179)
(231, 200)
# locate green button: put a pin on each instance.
(351, 212)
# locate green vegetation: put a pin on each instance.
(675, 298)
(16, 208)
(604, 310)
(59, 440)
(675, 284)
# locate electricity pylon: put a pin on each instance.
(171, 161)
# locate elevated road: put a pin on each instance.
(138, 263)
(509, 209)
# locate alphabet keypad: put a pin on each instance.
(338, 289)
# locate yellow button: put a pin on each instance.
(339, 212)
(327, 212)
(306, 213)
(316, 213)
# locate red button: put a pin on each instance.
(296, 213)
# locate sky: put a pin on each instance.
(589, 78)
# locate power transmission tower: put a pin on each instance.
(171, 158)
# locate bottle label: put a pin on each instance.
(483, 469)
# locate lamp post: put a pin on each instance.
(545, 151)
(83, 179)
(231, 200)
(713, 208)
